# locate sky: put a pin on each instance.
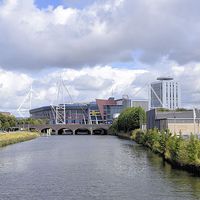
(100, 48)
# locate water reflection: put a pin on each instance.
(90, 167)
(182, 182)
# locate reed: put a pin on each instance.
(15, 137)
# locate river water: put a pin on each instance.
(90, 168)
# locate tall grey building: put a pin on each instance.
(165, 93)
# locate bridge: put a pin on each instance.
(72, 129)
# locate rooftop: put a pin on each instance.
(164, 78)
(180, 115)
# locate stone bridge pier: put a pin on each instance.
(72, 129)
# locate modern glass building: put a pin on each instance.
(165, 93)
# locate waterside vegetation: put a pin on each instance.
(180, 152)
(129, 120)
(15, 137)
(8, 121)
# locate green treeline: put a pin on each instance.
(130, 119)
(12, 138)
(32, 121)
(173, 148)
(7, 121)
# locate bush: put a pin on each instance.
(193, 149)
(172, 147)
(138, 136)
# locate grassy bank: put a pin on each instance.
(15, 137)
(181, 153)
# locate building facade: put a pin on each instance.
(141, 103)
(102, 111)
(186, 122)
(165, 93)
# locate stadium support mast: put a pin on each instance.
(59, 110)
(26, 104)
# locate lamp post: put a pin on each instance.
(174, 124)
(194, 119)
(198, 122)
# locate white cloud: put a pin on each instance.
(83, 85)
(89, 83)
(12, 87)
(178, 70)
(97, 82)
(166, 33)
(104, 32)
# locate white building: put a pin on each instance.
(165, 93)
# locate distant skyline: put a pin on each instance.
(98, 46)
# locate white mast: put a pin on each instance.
(26, 104)
(59, 110)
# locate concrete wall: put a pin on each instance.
(185, 128)
(151, 117)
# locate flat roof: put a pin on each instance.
(182, 114)
(165, 79)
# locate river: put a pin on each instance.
(90, 168)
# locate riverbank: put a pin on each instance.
(16, 137)
(122, 135)
(180, 153)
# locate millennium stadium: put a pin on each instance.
(101, 111)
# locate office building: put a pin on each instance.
(165, 93)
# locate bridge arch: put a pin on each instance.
(82, 131)
(65, 131)
(34, 129)
(48, 130)
(100, 131)
(44, 130)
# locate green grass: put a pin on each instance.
(15, 137)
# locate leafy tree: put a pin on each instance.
(130, 119)
(6, 125)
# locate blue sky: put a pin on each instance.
(67, 3)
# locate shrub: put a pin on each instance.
(193, 150)
(138, 136)
(172, 147)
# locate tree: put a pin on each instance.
(130, 119)
(6, 125)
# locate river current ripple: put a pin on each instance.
(90, 168)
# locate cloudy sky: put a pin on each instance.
(99, 47)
